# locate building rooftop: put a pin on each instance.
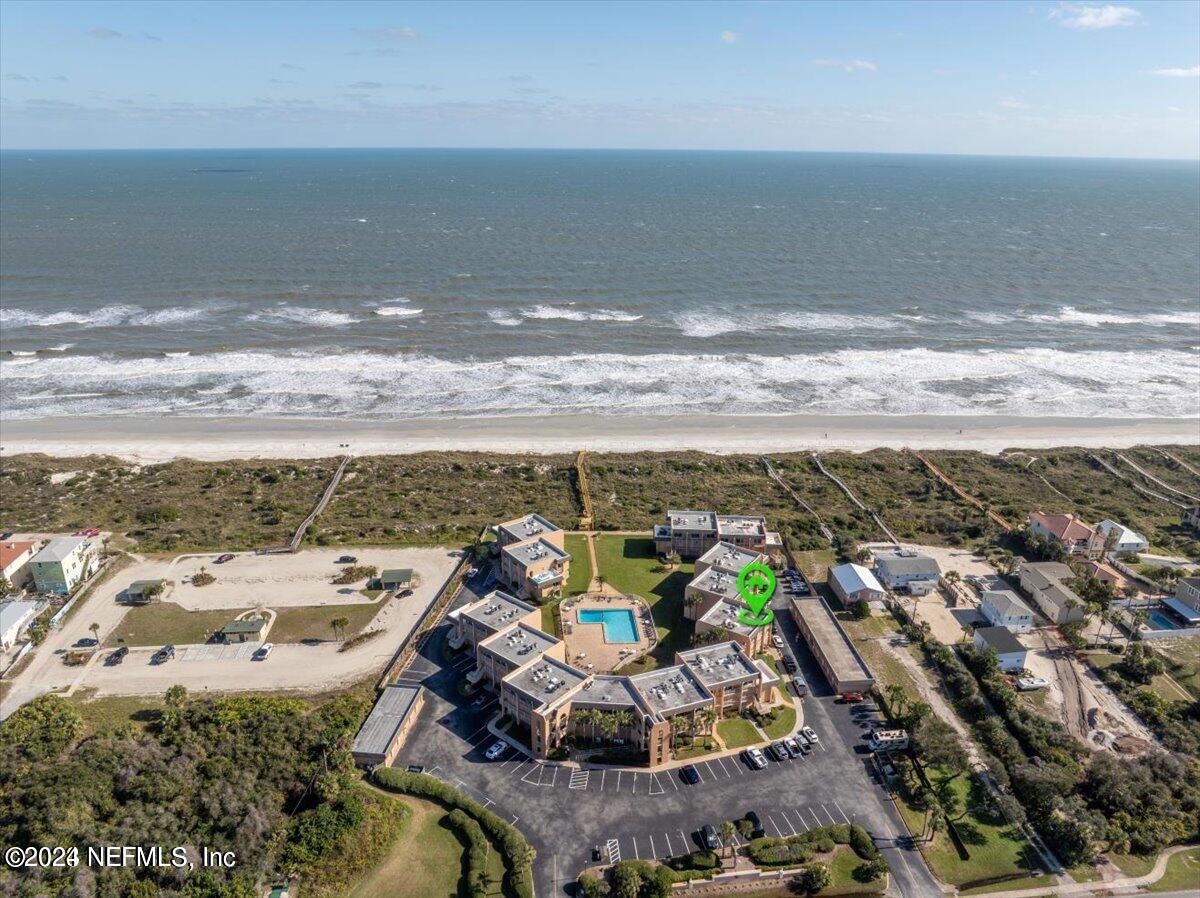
(396, 575)
(853, 577)
(1006, 602)
(1000, 639)
(545, 680)
(717, 665)
(526, 527)
(840, 655)
(609, 691)
(10, 551)
(534, 550)
(59, 548)
(12, 612)
(724, 614)
(245, 626)
(1063, 526)
(496, 610)
(395, 703)
(693, 520)
(717, 582)
(741, 525)
(520, 645)
(906, 563)
(1124, 534)
(670, 690)
(728, 557)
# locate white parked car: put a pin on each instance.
(1028, 684)
(810, 734)
(495, 751)
(264, 651)
(777, 640)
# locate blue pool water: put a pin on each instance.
(619, 625)
(1160, 620)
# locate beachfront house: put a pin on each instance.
(1046, 582)
(854, 583)
(14, 562)
(1075, 537)
(1187, 591)
(64, 563)
(1118, 538)
(15, 618)
(1003, 608)
(690, 534)
(907, 570)
(1009, 651)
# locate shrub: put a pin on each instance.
(477, 851)
(591, 887)
(862, 843)
(518, 854)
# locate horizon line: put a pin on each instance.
(586, 149)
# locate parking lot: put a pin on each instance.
(566, 811)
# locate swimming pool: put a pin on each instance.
(1160, 620)
(619, 624)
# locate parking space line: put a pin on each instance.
(618, 780)
(674, 781)
(433, 770)
(579, 779)
(778, 831)
(634, 789)
(723, 767)
(518, 767)
(539, 768)
(840, 811)
(816, 819)
(653, 853)
(655, 784)
(670, 850)
(789, 822)
(708, 767)
(827, 814)
(603, 774)
(683, 839)
(554, 780)
(635, 848)
(613, 847)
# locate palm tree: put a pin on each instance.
(608, 724)
(624, 719)
(338, 623)
(708, 717)
(95, 628)
(728, 831)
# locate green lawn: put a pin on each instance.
(626, 563)
(102, 715)
(841, 864)
(701, 747)
(581, 564)
(312, 621)
(1001, 857)
(1183, 872)
(737, 732)
(1183, 663)
(427, 859)
(164, 623)
(782, 725)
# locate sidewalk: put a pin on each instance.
(1132, 883)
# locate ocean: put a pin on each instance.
(388, 284)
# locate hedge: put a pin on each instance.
(518, 854)
(477, 851)
(799, 849)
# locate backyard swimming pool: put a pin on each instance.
(619, 624)
(1160, 620)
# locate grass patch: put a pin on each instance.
(426, 859)
(627, 563)
(841, 863)
(783, 724)
(1001, 857)
(581, 564)
(1183, 663)
(1183, 872)
(166, 623)
(698, 749)
(385, 821)
(737, 732)
(312, 621)
(104, 715)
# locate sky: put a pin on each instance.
(1014, 78)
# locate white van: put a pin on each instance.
(888, 740)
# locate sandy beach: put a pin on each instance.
(161, 439)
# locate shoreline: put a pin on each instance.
(149, 440)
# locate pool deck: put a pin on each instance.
(587, 648)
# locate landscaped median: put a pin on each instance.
(518, 854)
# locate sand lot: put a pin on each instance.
(276, 581)
(947, 621)
(299, 667)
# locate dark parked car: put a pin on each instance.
(221, 559)
(757, 832)
(347, 559)
(789, 664)
(163, 655)
(690, 774)
(118, 656)
(86, 643)
(779, 752)
(709, 838)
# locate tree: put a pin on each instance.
(896, 697)
(860, 610)
(5, 586)
(727, 832)
(938, 745)
(814, 877)
(176, 696)
(338, 624)
(1141, 663)
(95, 628)
(591, 887)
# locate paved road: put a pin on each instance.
(564, 812)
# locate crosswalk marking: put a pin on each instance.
(613, 847)
(579, 779)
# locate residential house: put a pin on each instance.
(64, 563)
(14, 562)
(1009, 651)
(1105, 573)
(1187, 591)
(853, 583)
(1075, 537)
(1046, 582)
(1122, 539)
(1003, 608)
(907, 569)
(15, 617)
(382, 733)
(142, 592)
(690, 534)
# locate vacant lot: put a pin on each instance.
(445, 498)
(165, 623)
(179, 506)
(628, 563)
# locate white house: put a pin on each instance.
(1008, 649)
(14, 562)
(853, 582)
(1003, 608)
(64, 563)
(907, 569)
(1126, 540)
(14, 618)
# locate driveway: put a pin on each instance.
(566, 811)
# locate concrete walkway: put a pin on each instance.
(1132, 883)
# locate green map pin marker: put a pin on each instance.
(756, 585)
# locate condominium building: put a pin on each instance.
(690, 534)
(533, 562)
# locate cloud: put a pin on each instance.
(1193, 72)
(518, 79)
(290, 67)
(105, 34)
(425, 87)
(530, 90)
(1174, 109)
(729, 37)
(1013, 103)
(390, 34)
(851, 65)
(33, 79)
(365, 85)
(1094, 18)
